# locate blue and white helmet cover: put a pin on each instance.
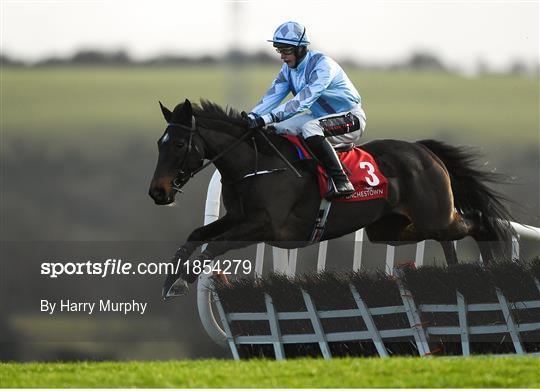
(291, 33)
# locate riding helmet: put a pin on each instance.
(290, 33)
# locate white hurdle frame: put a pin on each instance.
(284, 261)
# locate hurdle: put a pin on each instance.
(284, 261)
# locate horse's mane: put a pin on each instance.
(232, 121)
(212, 110)
(228, 120)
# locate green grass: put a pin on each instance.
(404, 105)
(478, 372)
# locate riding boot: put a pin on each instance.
(340, 186)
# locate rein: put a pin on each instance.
(226, 150)
(179, 182)
(192, 130)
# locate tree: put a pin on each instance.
(425, 61)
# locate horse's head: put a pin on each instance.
(180, 154)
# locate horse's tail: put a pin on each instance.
(471, 193)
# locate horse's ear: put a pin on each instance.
(188, 110)
(166, 112)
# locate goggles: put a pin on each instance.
(286, 50)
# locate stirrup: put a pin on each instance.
(346, 189)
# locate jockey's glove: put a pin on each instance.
(255, 122)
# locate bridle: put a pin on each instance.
(184, 175)
(181, 178)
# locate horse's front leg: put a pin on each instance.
(195, 239)
(241, 235)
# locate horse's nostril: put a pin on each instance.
(157, 193)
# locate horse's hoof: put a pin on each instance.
(178, 288)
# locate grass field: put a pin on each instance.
(478, 372)
(404, 105)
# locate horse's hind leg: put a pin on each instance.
(482, 238)
(397, 229)
(486, 251)
(471, 224)
(388, 229)
(430, 207)
(449, 252)
(458, 228)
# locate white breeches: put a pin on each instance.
(307, 125)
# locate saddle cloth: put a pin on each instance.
(368, 181)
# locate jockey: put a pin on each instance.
(320, 85)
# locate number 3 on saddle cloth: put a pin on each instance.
(368, 181)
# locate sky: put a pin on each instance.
(461, 33)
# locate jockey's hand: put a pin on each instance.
(255, 123)
(252, 121)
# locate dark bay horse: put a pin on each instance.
(434, 191)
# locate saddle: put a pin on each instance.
(363, 171)
(341, 147)
(344, 147)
